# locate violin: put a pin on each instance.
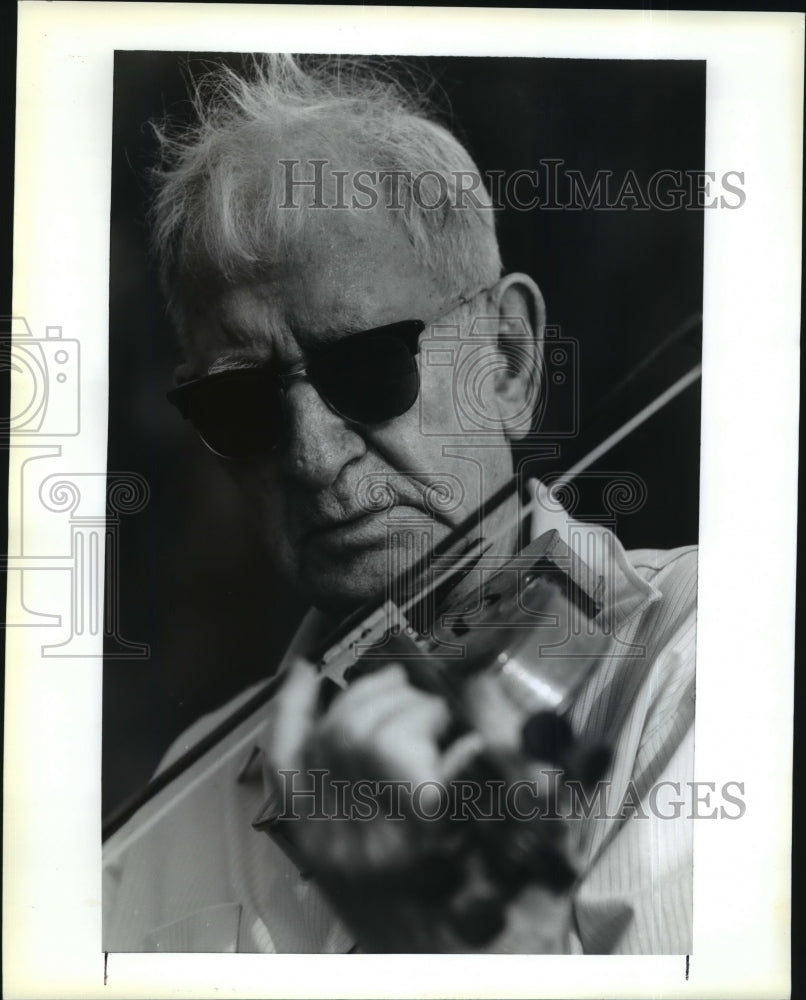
(531, 628)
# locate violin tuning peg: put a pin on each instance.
(592, 764)
(547, 736)
(478, 918)
(477, 910)
(328, 689)
(437, 876)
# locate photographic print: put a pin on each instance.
(399, 582)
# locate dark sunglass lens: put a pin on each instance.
(368, 380)
(238, 415)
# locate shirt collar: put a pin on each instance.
(624, 592)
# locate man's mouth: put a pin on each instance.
(360, 529)
(363, 529)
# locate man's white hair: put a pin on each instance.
(220, 186)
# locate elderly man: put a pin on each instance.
(333, 271)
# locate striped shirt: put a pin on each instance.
(189, 873)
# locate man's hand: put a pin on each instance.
(401, 880)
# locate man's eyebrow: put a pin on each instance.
(335, 332)
(240, 360)
(349, 328)
(235, 362)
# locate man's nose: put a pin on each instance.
(319, 443)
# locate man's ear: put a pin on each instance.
(521, 324)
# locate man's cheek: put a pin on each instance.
(267, 508)
(281, 549)
(261, 490)
(436, 411)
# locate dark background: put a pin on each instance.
(192, 581)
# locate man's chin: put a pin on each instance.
(338, 596)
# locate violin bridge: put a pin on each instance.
(378, 637)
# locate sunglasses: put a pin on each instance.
(366, 378)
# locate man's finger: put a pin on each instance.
(408, 743)
(296, 711)
(370, 704)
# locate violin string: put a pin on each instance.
(593, 456)
(632, 424)
(682, 332)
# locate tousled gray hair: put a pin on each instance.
(217, 209)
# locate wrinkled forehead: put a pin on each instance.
(343, 272)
